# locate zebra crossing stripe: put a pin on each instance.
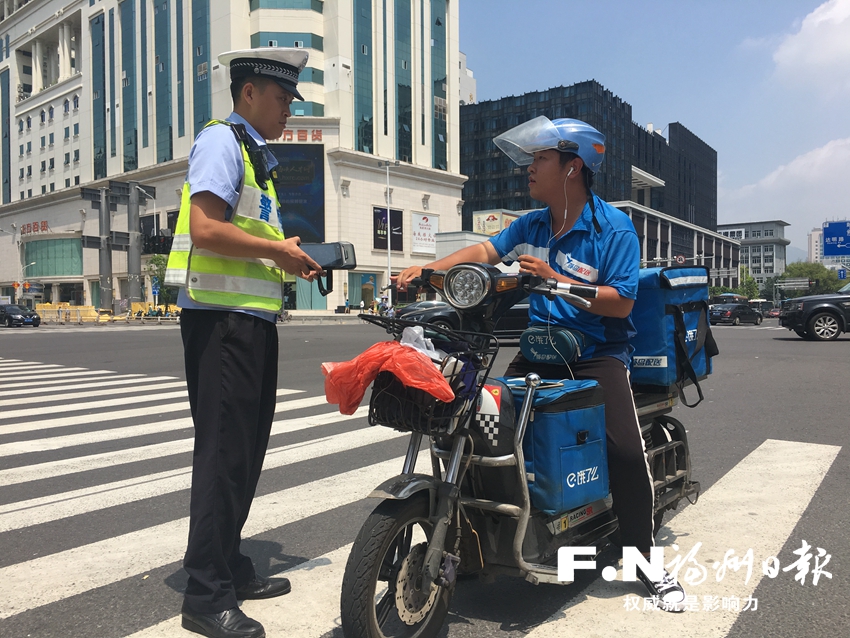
(310, 609)
(45, 391)
(9, 370)
(90, 393)
(51, 469)
(98, 436)
(62, 377)
(51, 508)
(41, 375)
(44, 424)
(71, 572)
(781, 477)
(93, 405)
(43, 384)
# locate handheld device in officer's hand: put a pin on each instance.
(331, 256)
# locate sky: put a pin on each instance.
(766, 83)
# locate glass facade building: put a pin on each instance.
(686, 164)
(202, 94)
(363, 103)
(98, 102)
(129, 122)
(6, 131)
(404, 81)
(162, 80)
(439, 79)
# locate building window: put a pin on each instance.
(67, 132)
(20, 126)
(66, 105)
(52, 186)
(29, 170)
(67, 158)
(43, 189)
(29, 192)
(22, 194)
(50, 139)
(29, 122)
(43, 166)
(22, 150)
(50, 163)
(76, 102)
(43, 116)
(272, 43)
(76, 130)
(77, 155)
(50, 113)
(298, 44)
(43, 141)
(67, 182)
(29, 147)
(199, 51)
(76, 180)
(756, 234)
(22, 172)
(364, 50)
(768, 232)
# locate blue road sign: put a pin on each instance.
(154, 285)
(842, 274)
(836, 239)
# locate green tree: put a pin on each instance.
(823, 279)
(748, 286)
(156, 268)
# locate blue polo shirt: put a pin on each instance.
(607, 258)
(216, 166)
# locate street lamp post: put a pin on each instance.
(24, 276)
(387, 165)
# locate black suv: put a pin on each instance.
(14, 315)
(818, 317)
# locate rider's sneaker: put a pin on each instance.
(667, 593)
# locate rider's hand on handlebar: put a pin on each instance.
(536, 266)
(407, 275)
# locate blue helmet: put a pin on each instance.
(566, 135)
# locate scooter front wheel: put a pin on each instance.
(382, 596)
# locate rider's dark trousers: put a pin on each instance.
(231, 374)
(628, 471)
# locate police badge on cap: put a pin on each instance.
(281, 64)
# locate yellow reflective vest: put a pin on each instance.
(231, 282)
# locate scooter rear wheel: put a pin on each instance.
(380, 598)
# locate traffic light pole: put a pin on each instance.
(134, 248)
(105, 250)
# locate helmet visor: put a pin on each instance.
(521, 142)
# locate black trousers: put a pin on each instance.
(231, 373)
(628, 472)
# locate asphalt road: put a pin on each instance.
(93, 492)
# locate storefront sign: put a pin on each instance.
(300, 186)
(425, 229)
(34, 227)
(302, 135)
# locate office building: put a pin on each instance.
(762, 246)
(682, 161)
(95, 91)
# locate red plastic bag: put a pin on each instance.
(346, 381)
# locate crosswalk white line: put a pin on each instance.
(4, 362)
(50, 469)
(88, 394)
(310, 609)
(45, 392)
(26, 373)
(781, 477)
(42, 424)
(94, 405)
(51, 508)
(42, 385)
(61, 377)
(9, 369)
(71, 572)
(112, 434)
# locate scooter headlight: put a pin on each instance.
(466, 285)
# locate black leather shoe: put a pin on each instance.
(232, 623)
(263, 588)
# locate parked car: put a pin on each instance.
(510, 326)
(818, 317)
(734, 313)
(14, 315)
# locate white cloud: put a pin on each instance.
(817, 57)
(811, 189)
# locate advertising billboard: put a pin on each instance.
(424, 230)
(836, 239)
(300, 187)
(380, 226)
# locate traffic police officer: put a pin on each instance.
(228, 258)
